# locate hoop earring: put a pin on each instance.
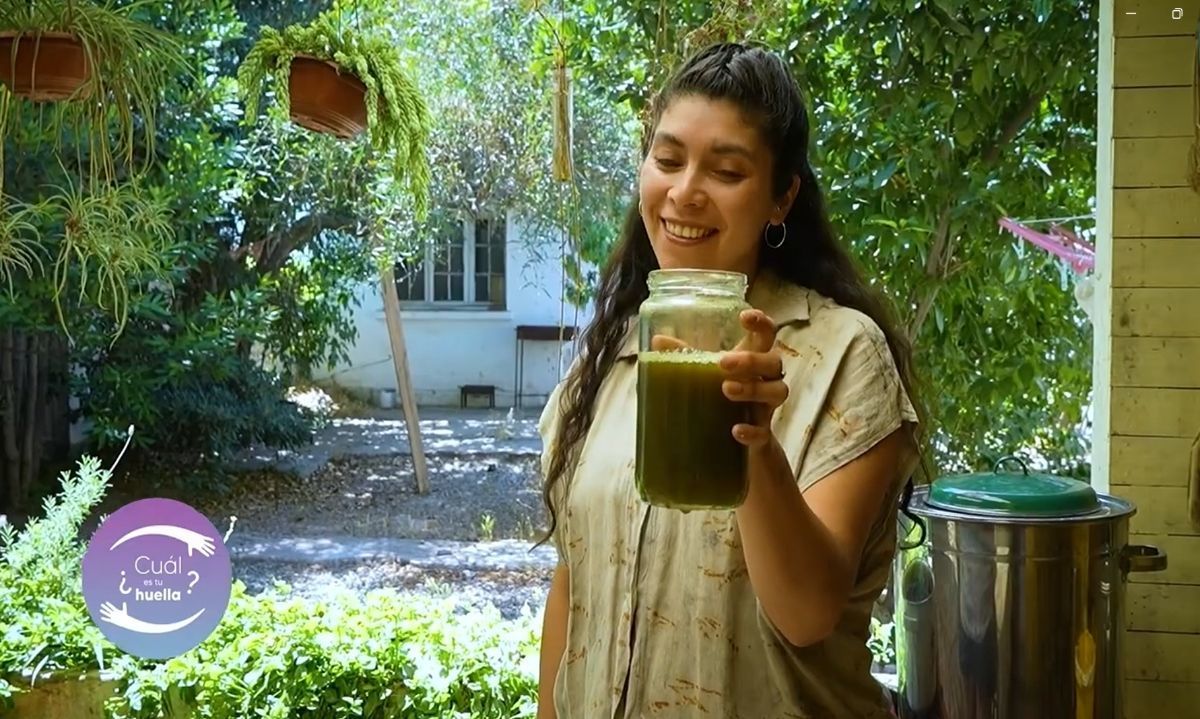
(782, 236)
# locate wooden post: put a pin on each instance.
(391, 311)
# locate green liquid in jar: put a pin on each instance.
(687, 457)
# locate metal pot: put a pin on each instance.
(1012, 603)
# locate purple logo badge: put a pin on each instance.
(156, 578)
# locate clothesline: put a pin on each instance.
(1045, 220)
(1059, 241)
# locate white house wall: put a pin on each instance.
(450, 348)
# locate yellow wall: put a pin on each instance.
(1148, 337)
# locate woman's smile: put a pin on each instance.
(687, 233)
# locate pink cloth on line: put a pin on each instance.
(1061, 243)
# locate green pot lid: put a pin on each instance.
(1003, 494)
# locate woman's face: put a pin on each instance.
(705, 188)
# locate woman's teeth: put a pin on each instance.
(688, 233)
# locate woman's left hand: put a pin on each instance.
(754, 373)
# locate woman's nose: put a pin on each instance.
(687, 189)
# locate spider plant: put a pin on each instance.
(20, 240)
(130, 64)
(114, 238)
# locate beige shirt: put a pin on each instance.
(662, 599)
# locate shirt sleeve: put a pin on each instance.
(548, 430)
(865, 402)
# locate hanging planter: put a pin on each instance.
(343, 81)
(325, 98)
(43, 67)
(63, 51)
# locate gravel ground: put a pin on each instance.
(508, 591)
(471, 497)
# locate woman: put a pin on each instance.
(762, 611)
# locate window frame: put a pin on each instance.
(468, 245)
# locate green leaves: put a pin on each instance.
(46, 627)
(132, 64)
(380, 655)
(930, 115)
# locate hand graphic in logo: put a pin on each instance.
(120, 617)
(194, 540)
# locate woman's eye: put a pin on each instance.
(729, 175)
(666, 162)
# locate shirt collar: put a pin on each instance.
(784, 302)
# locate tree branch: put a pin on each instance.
(1016, 122)
(278, 246)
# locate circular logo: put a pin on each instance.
(156, 578)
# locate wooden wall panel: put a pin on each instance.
(1152, 112)
(1160, 656)
(1154, 61)
(1147, 412)
(1150, 461)
(1159, 510)
(1163, 608)
(1156, 362)
(1183, 559)
(1151, 162)
(1155, 312)
(1156, 212)
(1167, 262)
(1162, 700)
(1153, 17)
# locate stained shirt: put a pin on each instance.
(663, 619)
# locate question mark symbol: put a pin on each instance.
(195, 578)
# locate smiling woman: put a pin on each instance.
(706, 187)
(762, 609)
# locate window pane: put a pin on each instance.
(482, 290)
(410, 282)
(456, 258)
(441, 288)
(496, 290)
(456, 287)
(481, 257)
(497, 259)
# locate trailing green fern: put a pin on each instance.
(397, 117)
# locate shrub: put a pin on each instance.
(382, 655)
(45, 624)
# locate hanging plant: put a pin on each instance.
(20, 246)
(104, 70)
(113, 239)
(340, 80)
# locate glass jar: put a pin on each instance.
(687, 457)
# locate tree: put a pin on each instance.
(930, 121)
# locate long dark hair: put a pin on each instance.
(759, 83)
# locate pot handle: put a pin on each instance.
(1010, 458)
(1143, 558)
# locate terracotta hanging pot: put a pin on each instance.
(45, 67)
(326, 98)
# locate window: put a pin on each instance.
(463, 269)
